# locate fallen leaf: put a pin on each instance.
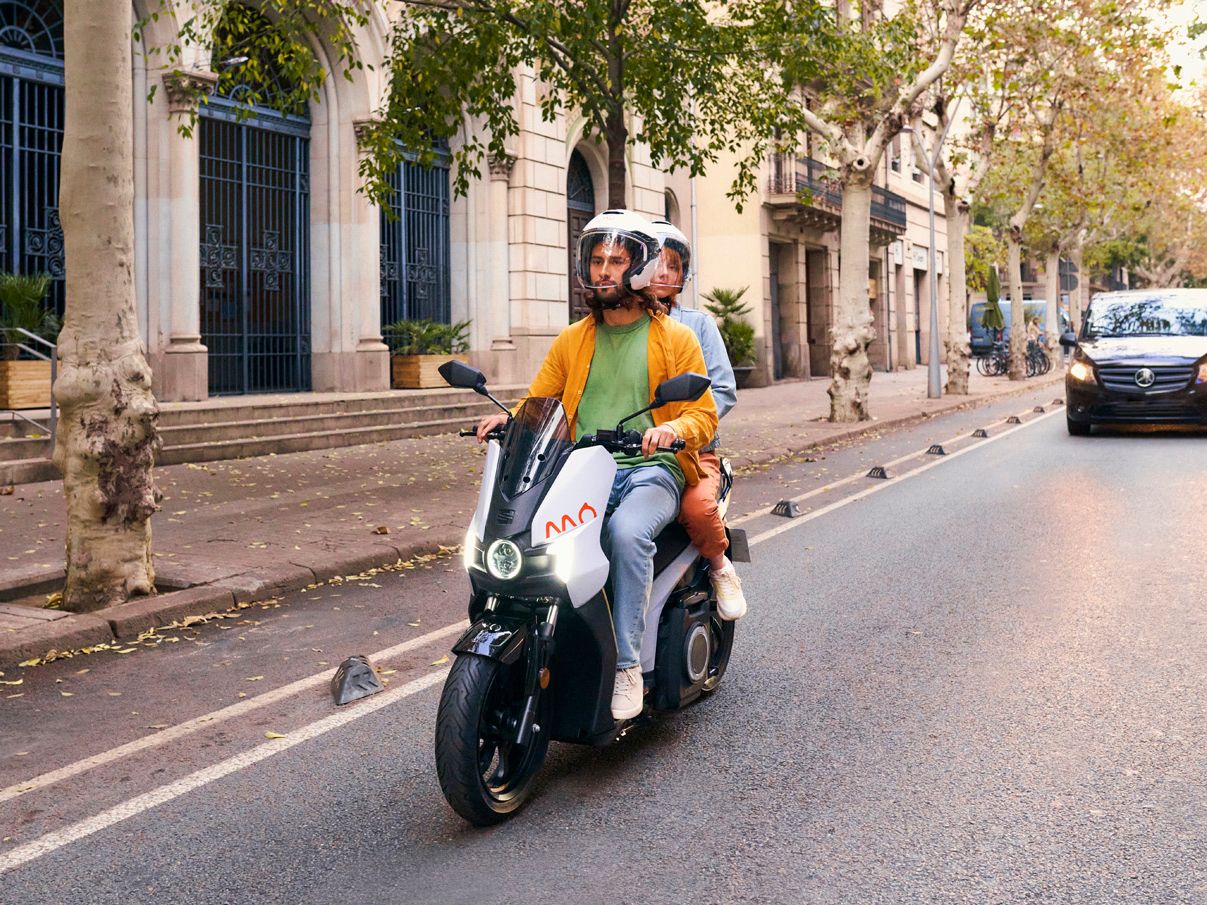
(128, 650)
(36, 661)
(253, 678)
(11, 681)
(158, 726)
(386, 672)
(114, 694)
(241, 694)
(413, 624)
(67, 694)
(381, 529)
(7, 490)
(271, 734)
(441, 661)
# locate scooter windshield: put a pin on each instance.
(537, 439)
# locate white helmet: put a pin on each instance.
(670, 236)
(628, 230)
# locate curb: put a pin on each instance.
(126, 621)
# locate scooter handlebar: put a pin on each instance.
(496, 434)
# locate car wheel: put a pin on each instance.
(1076, 428)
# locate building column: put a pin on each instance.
(182, 368)
(500, 253)
(371, 360)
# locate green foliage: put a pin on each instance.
(681, 71)
(21, 297)
(262, 52)
(982, 252)
(426, 337)
(736, 334)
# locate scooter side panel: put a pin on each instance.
(664, 583)
(570, 520)
(582, 671)
(489, 471)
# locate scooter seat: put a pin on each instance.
(670, 543)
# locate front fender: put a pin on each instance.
(495, 637)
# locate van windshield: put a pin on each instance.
(1157, 315)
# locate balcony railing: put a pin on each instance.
(805, 176)
(888, 206)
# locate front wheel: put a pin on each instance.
(484, 774)
(1076, 428)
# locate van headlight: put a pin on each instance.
(503, 560)
(1082, 372)
(1202, 373)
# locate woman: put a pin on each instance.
(698, 509)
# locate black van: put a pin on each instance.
(1141, 359)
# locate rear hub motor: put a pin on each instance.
(697, 651)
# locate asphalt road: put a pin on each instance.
(982, 682)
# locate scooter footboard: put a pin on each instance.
(496, 637)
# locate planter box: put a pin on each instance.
(24, 384)
(742, 375)
(418, 372)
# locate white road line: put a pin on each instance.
(218, 716)
(841, 482)
(44, 845)
(884, 485)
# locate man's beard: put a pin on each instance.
(611, 298)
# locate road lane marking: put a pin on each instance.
(210, 719)
(44, 845)
(850, 479)
(939, 460)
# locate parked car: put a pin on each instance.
(982, 338)
(1141, 358)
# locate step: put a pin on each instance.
(11, 450)
(262, 428)
(252, 408)
(245, 448)
(27, 471)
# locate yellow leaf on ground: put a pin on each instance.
(441, 661)
(253, 678)
(128, 650)
(271, 734)
(11, 681)
(67, 694)
(36, 661)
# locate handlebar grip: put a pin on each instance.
(467, 432)
(674, 447)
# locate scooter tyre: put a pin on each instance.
(470, 692)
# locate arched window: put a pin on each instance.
(580, 208)
(31, 140)
(671, 208)
(255, 222)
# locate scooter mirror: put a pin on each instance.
(683, 388)
(462, 376)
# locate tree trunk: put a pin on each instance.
(618, 135)
(850, 370)
(1052, 309)
(958, 352)
(107, 429)
(1018, 318)
(1079, 297)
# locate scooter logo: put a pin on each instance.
(568, 522)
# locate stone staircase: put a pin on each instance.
(238, 427)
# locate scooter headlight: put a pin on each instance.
(469, 550)
(562, 552)
(503, 560)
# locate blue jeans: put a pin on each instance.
(644, 501)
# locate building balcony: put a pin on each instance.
(807, 193)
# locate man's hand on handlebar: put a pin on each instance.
(488, 424)
(655, 437)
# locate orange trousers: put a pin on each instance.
(698, 509)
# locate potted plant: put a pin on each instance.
(736, 334)
(24, 378)
(419, 347)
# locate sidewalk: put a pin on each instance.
(236, 531)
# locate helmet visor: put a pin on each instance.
(673, 266)
(607, 258)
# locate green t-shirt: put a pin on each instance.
(618, 384)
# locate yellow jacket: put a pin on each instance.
(672, 350)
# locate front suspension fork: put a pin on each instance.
(537, 674)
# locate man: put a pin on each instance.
(604, 368)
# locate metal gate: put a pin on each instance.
(31, 140)
(255, 249)
(415, 268)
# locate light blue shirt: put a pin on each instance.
(720, 372)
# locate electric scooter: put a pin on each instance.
(539, 660)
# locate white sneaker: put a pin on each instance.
(627, 694)
(731, 602)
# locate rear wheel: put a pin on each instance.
(721, 639)
(1076, 428)
(484, 774)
